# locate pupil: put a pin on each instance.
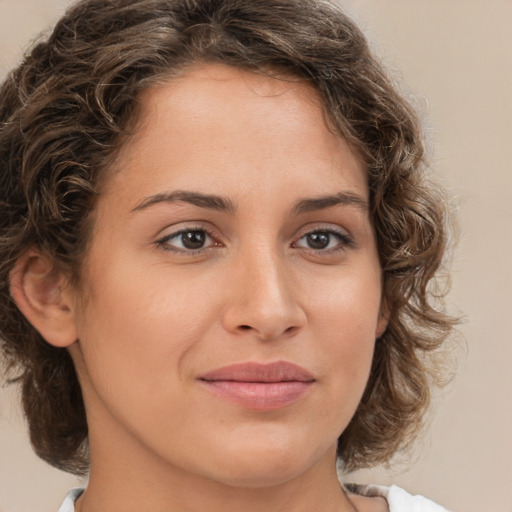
(318, 240)
(193, 239)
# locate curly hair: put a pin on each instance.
(66, 110)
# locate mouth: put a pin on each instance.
(259, 386)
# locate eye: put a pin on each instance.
(187, 240)
(324, 240)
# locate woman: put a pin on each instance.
(217, 246)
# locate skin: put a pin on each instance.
(154, 316)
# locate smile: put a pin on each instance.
(258, 386)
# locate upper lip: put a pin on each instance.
(279, 371)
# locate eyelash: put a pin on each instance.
(345, 241)
(163, 242)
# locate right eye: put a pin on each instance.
(189, 240)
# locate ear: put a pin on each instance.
(44, 298)
(383, 320)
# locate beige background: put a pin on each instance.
(456, 57)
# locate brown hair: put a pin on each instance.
(64, 113)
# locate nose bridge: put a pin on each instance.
(269, 282)
(264, 299)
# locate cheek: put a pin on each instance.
(348, 303)
(345, 321)
(127, 294)
(137, 327)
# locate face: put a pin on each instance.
(233, 284)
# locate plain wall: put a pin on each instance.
(455, 56)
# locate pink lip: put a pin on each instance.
(259, 386)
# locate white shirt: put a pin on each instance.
(398, 500)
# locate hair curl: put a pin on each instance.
(64, 114)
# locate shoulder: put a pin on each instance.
(398, 500)
(401, 501)
(68, 505)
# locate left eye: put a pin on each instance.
(323, 240)
(187, 240)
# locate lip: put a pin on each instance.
(259, 386)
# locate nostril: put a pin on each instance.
(245, 327)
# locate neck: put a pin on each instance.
(126, 480)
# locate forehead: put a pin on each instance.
(197, 84)
(216, 119)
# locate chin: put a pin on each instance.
(267, 466)
(258, 476)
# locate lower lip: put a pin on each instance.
(263, 396)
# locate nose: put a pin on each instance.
(263, 299)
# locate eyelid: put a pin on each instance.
(346, 239)
(174, 231)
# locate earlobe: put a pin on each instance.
(44, 298)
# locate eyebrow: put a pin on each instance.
(319, 203)
(210, 201)
(222, 204)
